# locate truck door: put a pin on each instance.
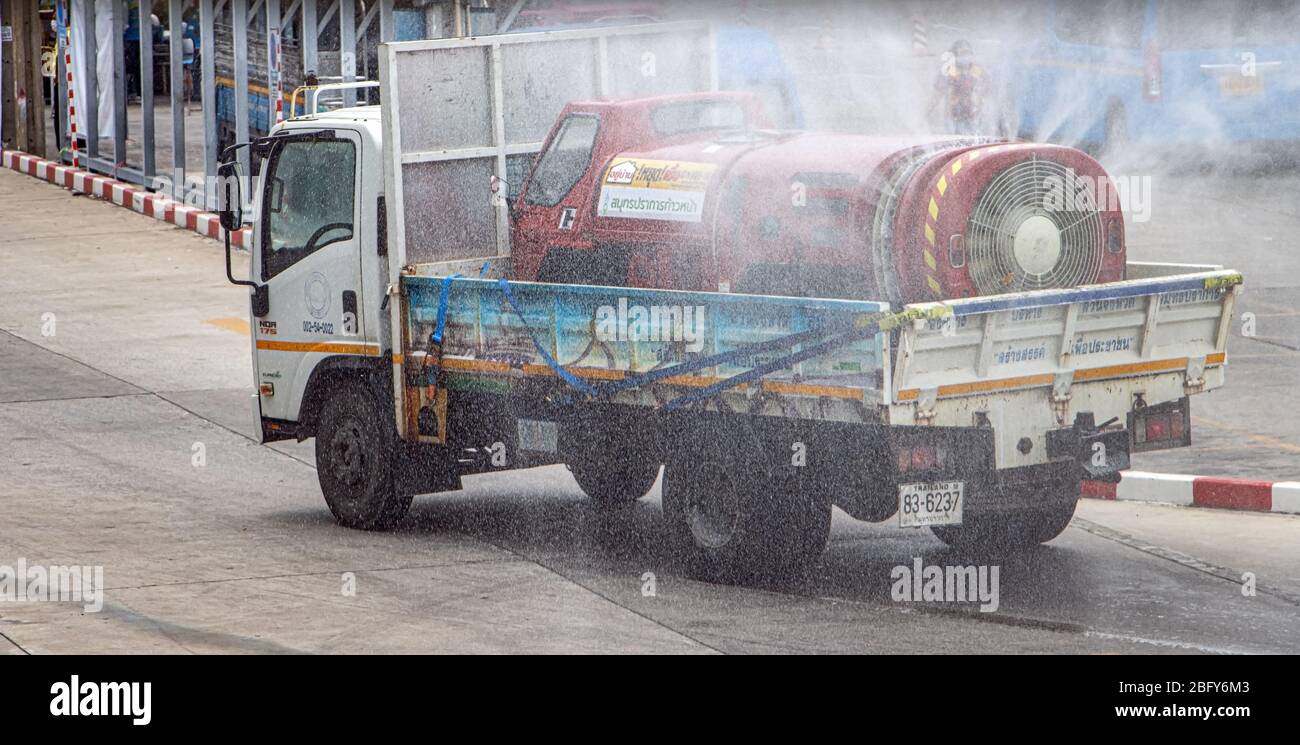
(307, 253)
(552, 210)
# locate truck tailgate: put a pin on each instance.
(1029, 362)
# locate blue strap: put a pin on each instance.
(565, 375)
(777, 364)
(735, 355)
(833, 335)
(443, 292)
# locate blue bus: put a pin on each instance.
(1153, 72)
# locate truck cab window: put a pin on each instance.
(308, 202)
(564, 162)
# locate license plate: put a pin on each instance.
(1241, 85)
(935, 503)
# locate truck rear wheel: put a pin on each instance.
(729, 522)
(1015, 531)
(356, 458)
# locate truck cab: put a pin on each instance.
(551, 230)
(318, 258)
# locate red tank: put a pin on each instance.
(742, 209)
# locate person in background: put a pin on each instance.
(961, 88)
(188, 57)
(131, 50)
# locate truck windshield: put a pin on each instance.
(308, 202)
(564, 162)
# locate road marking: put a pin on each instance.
(1272, 442)
(238, 325)
(1231, 576)
(1169, 643)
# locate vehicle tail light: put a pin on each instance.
(1166, 425)
(1176, 427)
(1157, 428)
(1151, 72)
(915, 458)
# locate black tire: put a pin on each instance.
(728, 521)
(356, 459)
(1005, 533)
(614, 483)
(807, 512)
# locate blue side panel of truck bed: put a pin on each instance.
(591, 329)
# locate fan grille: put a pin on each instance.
(1033, 228)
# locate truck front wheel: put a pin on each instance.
(1019, 530)
(356, 457)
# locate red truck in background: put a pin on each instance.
(697, 192)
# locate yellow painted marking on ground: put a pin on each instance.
(238, 325)
(1265, 440)
(929, 234)
(956, 166)
(973, 155)
(943, 185)
(934, 285)
(934, 210)
(929, 260)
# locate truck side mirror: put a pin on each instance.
(230, 212)
(231, 206)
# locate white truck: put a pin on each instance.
(976, 418)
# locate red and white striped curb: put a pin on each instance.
(1200, 491)
(133, 197)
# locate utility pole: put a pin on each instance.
(23, 124)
